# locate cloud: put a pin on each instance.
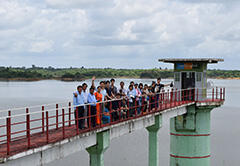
(117, 33)
(79, 3)
(41, 46)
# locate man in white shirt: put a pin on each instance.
(122, 90)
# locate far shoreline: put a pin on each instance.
(77, 80)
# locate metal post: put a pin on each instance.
(223, 93)
(69, 113)
(63, 123)
(179, 97)
(128, 112)
(28, 128)
(8, 121)
(194, 94)
(89, 116)
(77, 123)
(166, 100)
(212, 94)
(43, 119)
(156, 103)
(56, 116)
(175, 98)
(160, 101)
(47, 136)
(216, 92)
(101, 113)
(168, 95)
(197, 94)
(150, 104)
(119, 110)
(135, 105)
(190, 95)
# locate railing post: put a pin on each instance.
(194, 94)
(47, 136)
(223, 93)
(77, 121)
(69, 113)
(190, 95)
(216, 92)
(128, 112)
(156, 102)
(8, 132)
(119, 110)
(175, 98)
(150, 104)
(168, 95)
(101, 113)
(89, 116)
(160, 103)
(179, 97)
(43, 119)
(63, 123)
(212, 94)
(135, 105)
(165, 100)
(28, 127)
(220, 93)
(56, 116)
(197, 94)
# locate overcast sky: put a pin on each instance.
(118, 33)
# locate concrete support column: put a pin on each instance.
(190, 138)
(153, 152)
(96, 152)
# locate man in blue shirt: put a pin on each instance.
(78, 101)
(92, 107)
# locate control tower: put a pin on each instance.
(190, 133)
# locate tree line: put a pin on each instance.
(84, 73)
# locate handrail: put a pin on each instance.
(66, 107)
(62, 117)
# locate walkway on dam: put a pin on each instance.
(27, 131)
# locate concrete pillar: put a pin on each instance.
(190, 138)
(96, 152)
(153, 152)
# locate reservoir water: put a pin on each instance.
(132, 149)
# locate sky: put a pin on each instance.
(118, 33)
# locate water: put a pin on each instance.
(132, 149)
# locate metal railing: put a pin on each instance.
(25, 127)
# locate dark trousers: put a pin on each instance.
(115, 116)
(152, 102)
(80, 119)
(92, 116)
(131, 109)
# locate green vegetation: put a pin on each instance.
(70, 74)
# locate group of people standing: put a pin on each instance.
(106, 102)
